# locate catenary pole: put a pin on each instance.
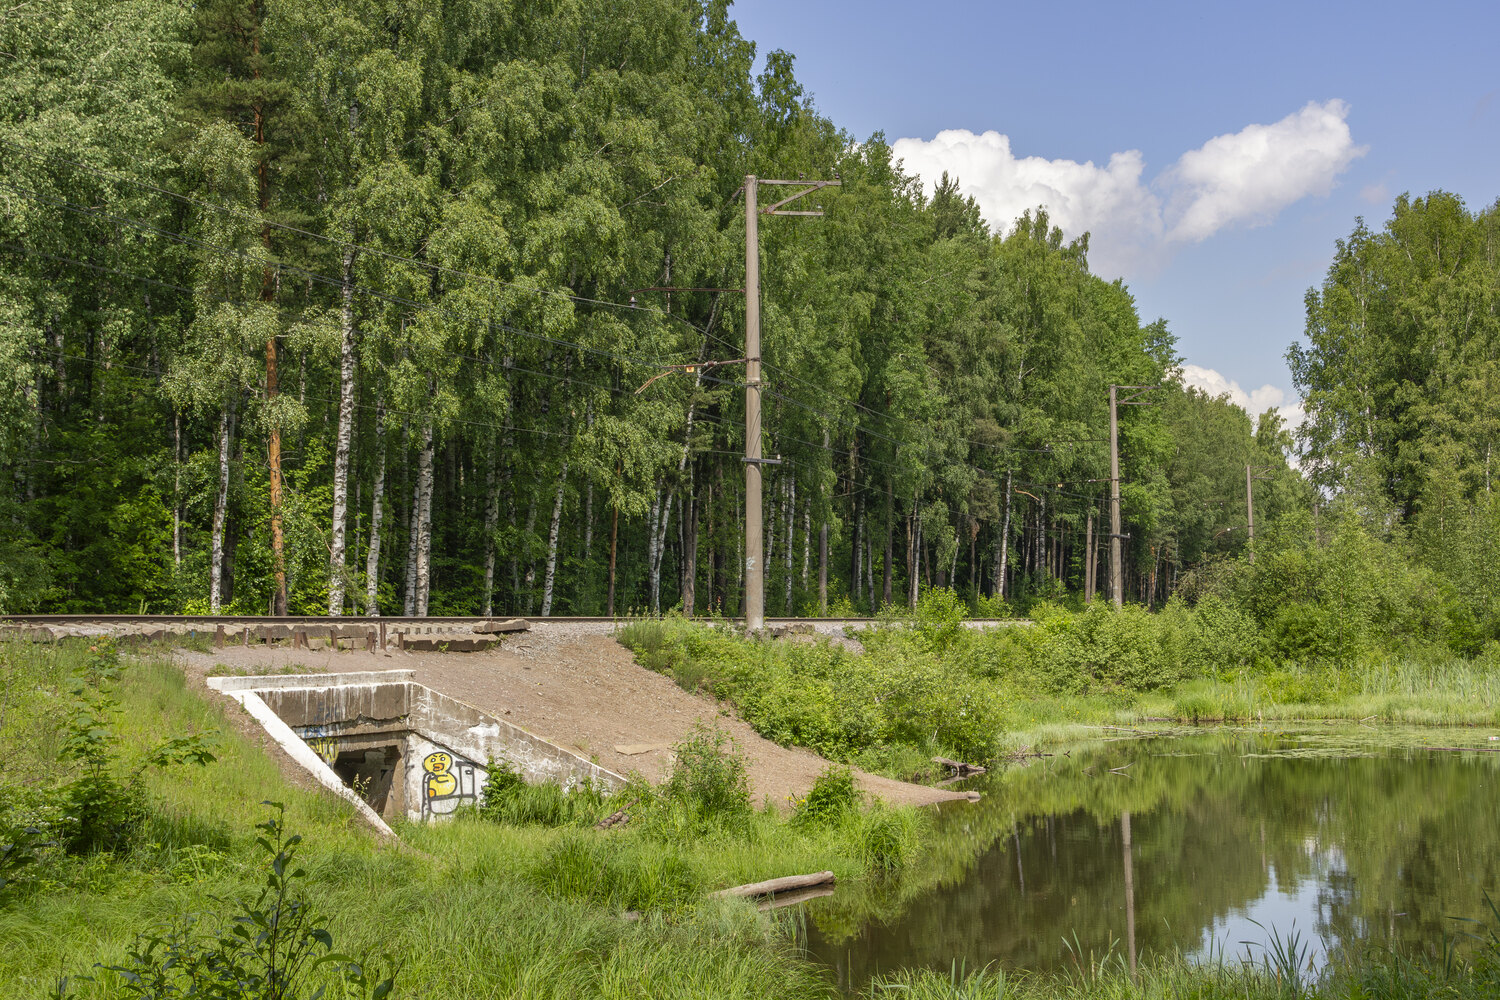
(1249, 516)
(1115, 591)
(755, 580)
(755, 571)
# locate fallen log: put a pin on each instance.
(771, 887)
(958, 767)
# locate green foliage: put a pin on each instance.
(270, 949)
(940, 618)
(583, 864)
(899, 694)
(508, 798)
(887, 839)
(831, 800)
(709, 780)
(19, 847)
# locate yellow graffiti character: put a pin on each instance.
(440, 780)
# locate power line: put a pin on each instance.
(316, 276)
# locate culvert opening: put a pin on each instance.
(370, 773)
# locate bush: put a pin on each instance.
(831, 800)
(940, 618)
(709, 779)
(105, 805)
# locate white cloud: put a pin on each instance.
(1253, 174)
(1255, 402)
(1247, 177)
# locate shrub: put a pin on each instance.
(105, 805)
(831, 800)
(709, 779)
(940, 618)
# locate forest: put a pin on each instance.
(367, 307)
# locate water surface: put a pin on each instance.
(1202, 844)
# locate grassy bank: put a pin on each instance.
(927, 685)
(531, 901)
(1282, 975)
(465, 909)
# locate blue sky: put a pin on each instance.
(1230, 144)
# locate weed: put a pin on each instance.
(269, 950)
(832, 799)
(709, 779)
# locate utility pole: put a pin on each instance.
(1249, 516)
(1114, 502)
(1250, 506)
(755, 571)
(1116, 587)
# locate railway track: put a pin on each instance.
(454, 633)
(356, 620)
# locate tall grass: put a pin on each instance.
(468, 908)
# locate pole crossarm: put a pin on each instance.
(1140, 390)
(811, 187)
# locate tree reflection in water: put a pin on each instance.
(1345, 843)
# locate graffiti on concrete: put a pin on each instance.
(447, 783)
(320, 736)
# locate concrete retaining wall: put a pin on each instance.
(411, 750)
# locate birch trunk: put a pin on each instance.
(424, 520)
(916, 570)
(661, 517)
(221, 508)
(791, 523)
(823, 568)
(337, 572)
(614, 538)
(1002, 549)
(588, 523)
(410, 604)
(689, 521)
(806, 540)
(529, 580)
(557, 506)
(953, 568)
(491, 525)
(372, 556)
(1088, 560)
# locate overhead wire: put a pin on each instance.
(315, 276)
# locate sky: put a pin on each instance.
(1215, 152)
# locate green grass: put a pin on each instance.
(537, 905)
(468, 908)
(920, 689)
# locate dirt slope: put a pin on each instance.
(574, 685)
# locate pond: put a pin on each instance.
(1204, 844)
